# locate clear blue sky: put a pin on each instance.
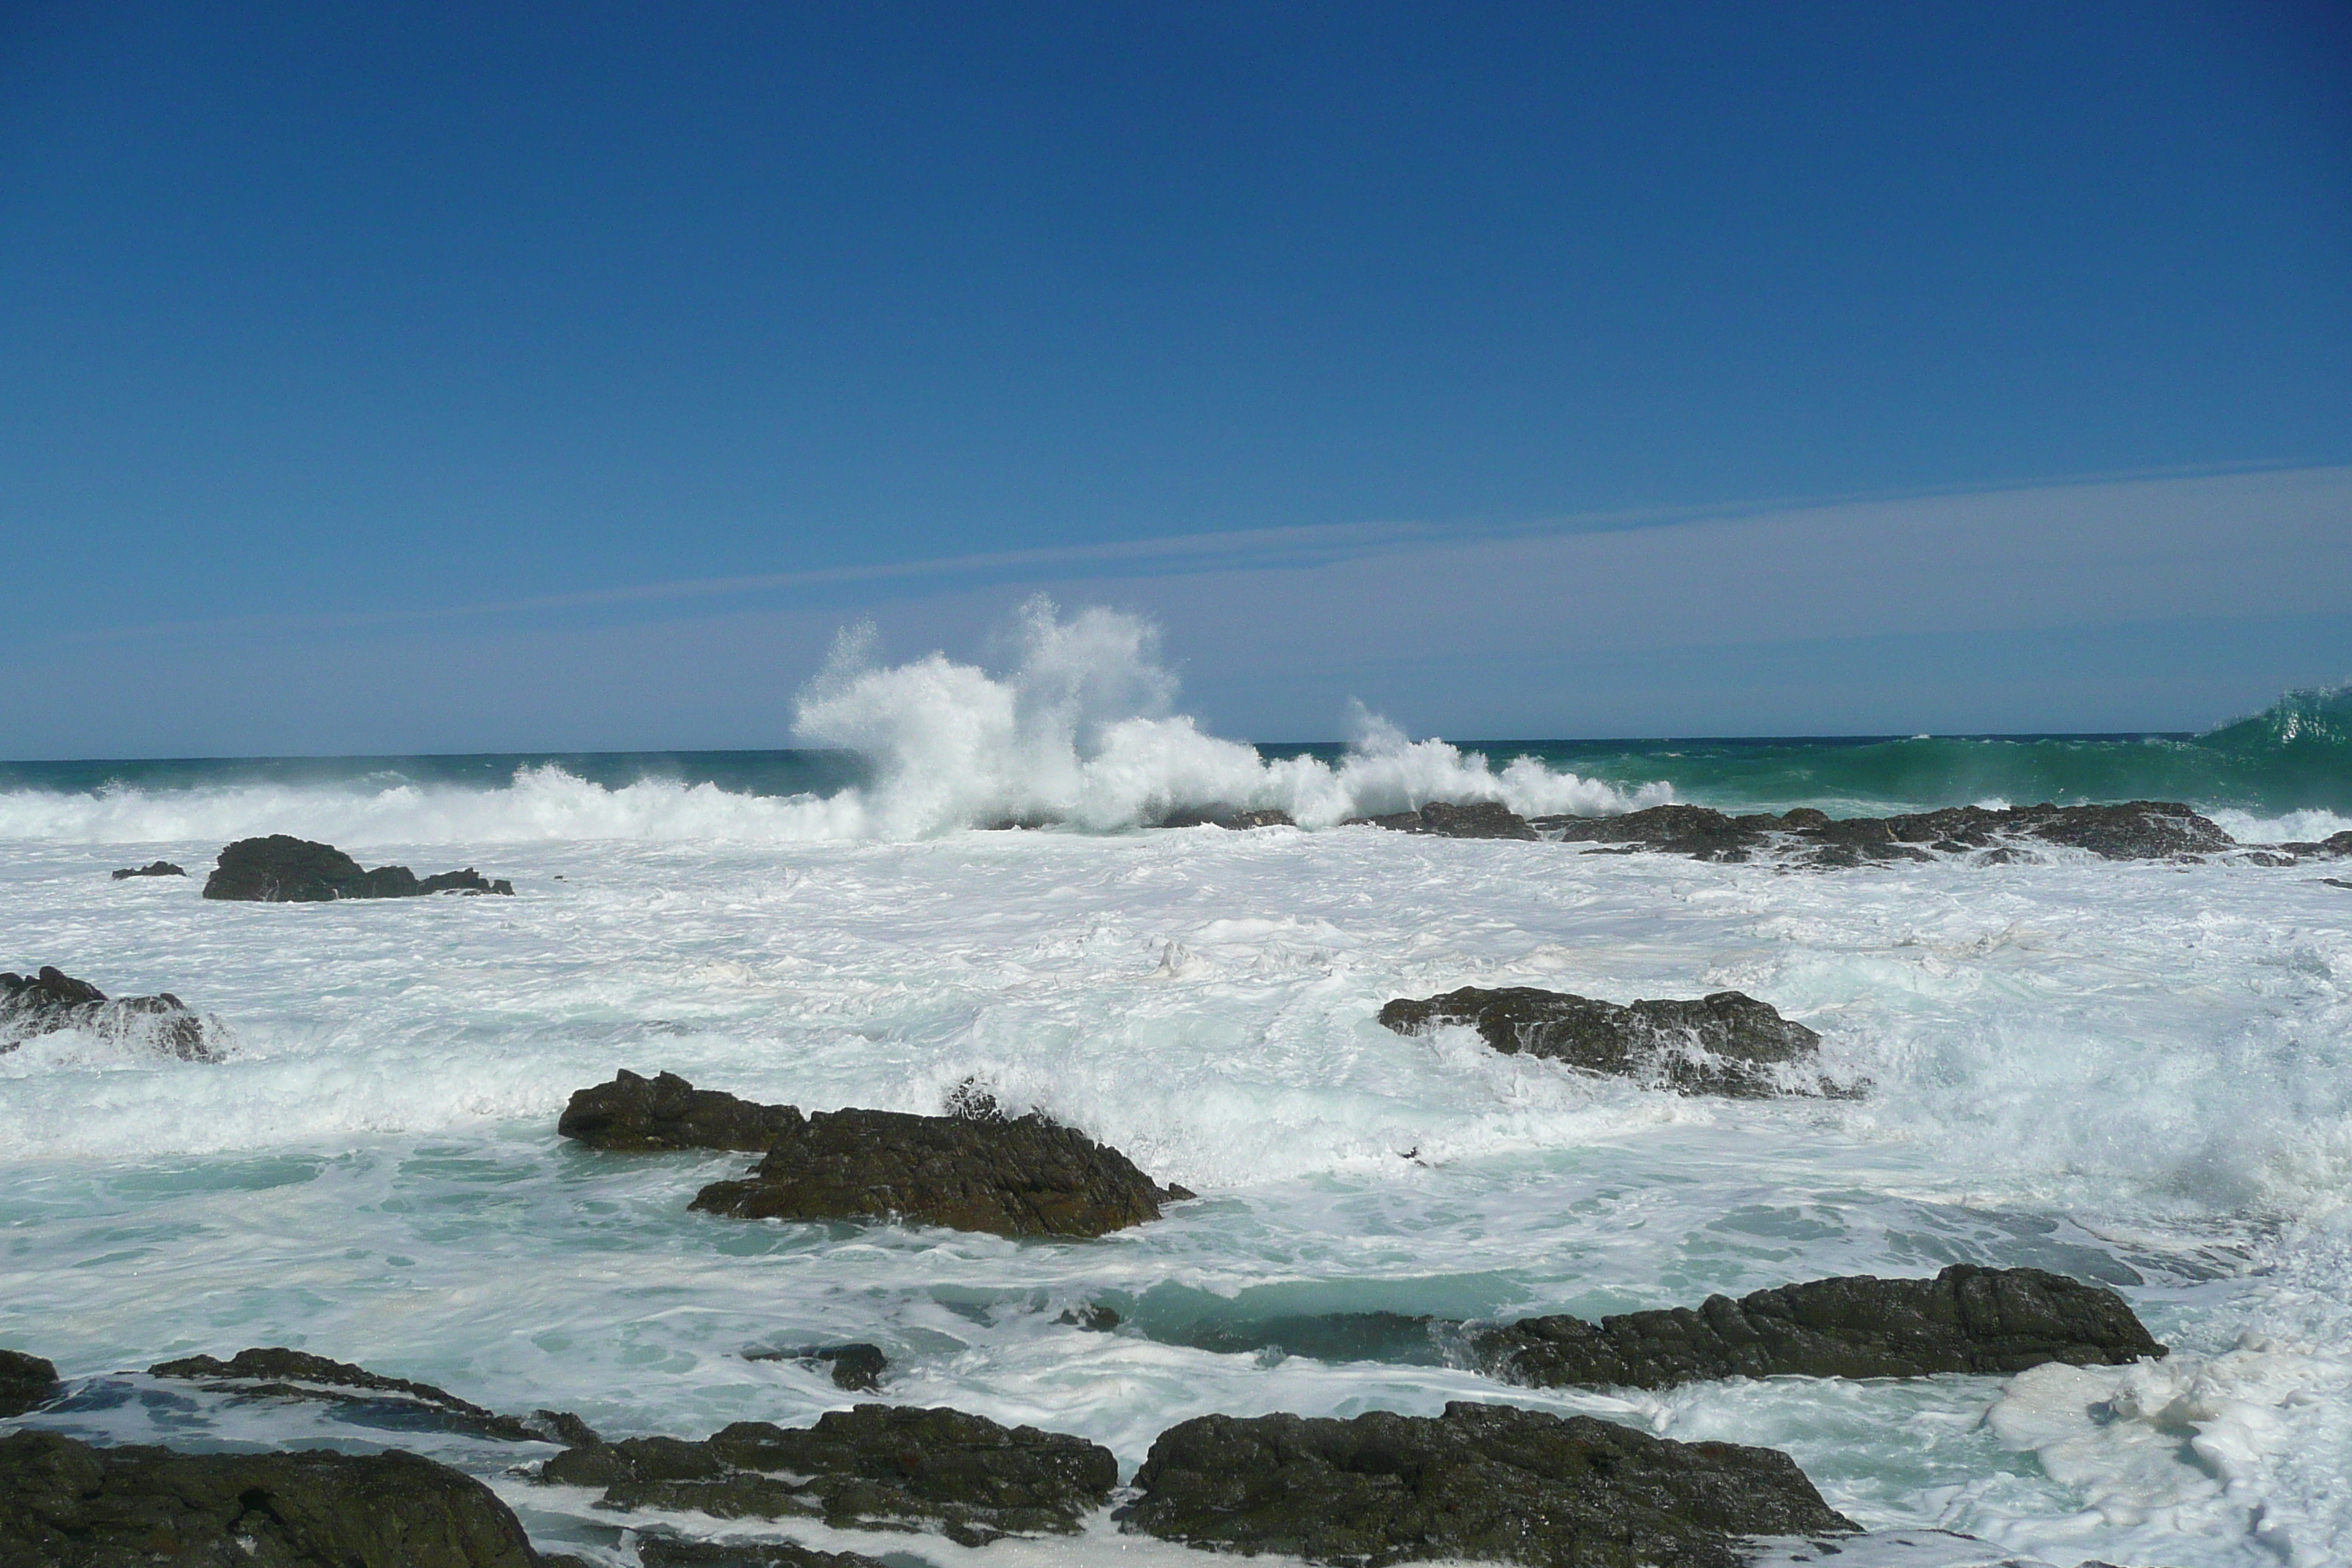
(319, 322)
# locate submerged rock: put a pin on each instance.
(65, 1504)
(25, 1381)
(1726, 1043)
(652, 1115)
(275, 1373)
(155, 869)
(673, 1552)
(1026, 1176)
(283, 869)
(1481, 1482)
(52, 1000)
(856, 1368)
(876, 1466)
(1482, 819)
(1230, 817)
(2131, 830)
(1967, 1319)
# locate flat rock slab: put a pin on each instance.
(876, 1466)
(1484, 819)
(65, 1504)
(53, 1001)
(1487, 1483)
(1967, 1319)
(2130, 830)
(283, 869)
(275, 1373)
(665, 1113)
(1727, 1043)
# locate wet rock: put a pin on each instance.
(1483, 819)
(1694, 830)
(561, 1427)
(65, 1504)
(671, 1551)
(1093, 1317)
(1481, 1482)
(973, 1100)
(1229, 816)
(1021, 1177)
(155, 869)
(1727, 1043)
(283, 869)
(2131, 830)
(876, 1466)
(25, 1381)
(52, 1000)
(652, 1115)
(1967, 1319)
(275, 1373)
(1030, 822)
(858, 1368)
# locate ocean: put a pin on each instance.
(2136, 1073)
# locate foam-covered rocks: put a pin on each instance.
(1482, 1483)
(2127, 830)
(1727, 1043)
(283, 869)
(51, 1000)
(1443, 819)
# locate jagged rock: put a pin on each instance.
(283, 869)
(157, 868)
(2132, 830)
(53, 1000)
(670, 1552)
(1029, 822)
(876, 1466)
(2333, 847)
(666, 1112)
(1021, 1177)
(1232, 816)
(1480, 1482)
(25, 1381)
(1726, 1043)
(973, 1100)
(275, 1373)
(1967, 1319)
(65, 1504)
(1481, 819)
(858, 1368)
(1093, 1317)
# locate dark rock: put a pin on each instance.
(561, 1427)
(280, 1374)
(973, 1100)
(671, 1551)
(1230, 817)
(1023, 1177)
(652, 1115)
(1094, 1318)
(1482, 819)
(1028, 823)
(25, 1381)
(2335, 882)
(2132, 830)
(858, 1368)
(52, 1000)
(1967, 1319)
(1727, 1043)
(65, 1504)
(1481, 1482)
(158, 868)
(876, 1466)
(283, 869)
(1694, 830)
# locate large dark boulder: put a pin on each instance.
(152, 868)
(1482, 1482)
(25, 1381)
(52, 1000)
(1482, 819)
(665, 1112)
(1726, 1043)
(2131, 830)
(1967, 1319)
(1022, 1176)
(65, 1504)
(876, 1466)
(283, 869)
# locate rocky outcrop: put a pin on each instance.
(876, 1466)
(2132, 830)
(1481, 1482)
(856, 1368)
(65, 1504)
(1236, 817)
(1026, 1176)
(53, 1000)
(1726, 1043)
(671, 1551)
(26, 1381)
(282, 869)
(1967, 1319)
(665, 1112)
(154, 868)
(1482, 819)
(275, 1373)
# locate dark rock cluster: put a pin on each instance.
(1482, 819)
(1726, 1043)
(275, 1373)
(154, 868)
(1233, 817)
(2132, 830)
(876, 1466)
(1481, 1481)
(665, 1112)
(65, 1504)
(1967, 1319)
(52, 1000)
(283, 869)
